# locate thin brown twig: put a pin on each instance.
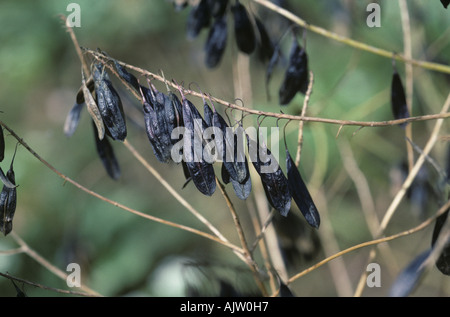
(301, 122)
(247, 253)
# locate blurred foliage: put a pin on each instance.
(122, 254)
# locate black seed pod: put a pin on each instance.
(156, 126)
(407, 280)
(125, 75)
(72, 119)
(275, 184)
(243, 29)
(8, 202)
(445, 3)
(398, 99)
(300, 193)
(109, 104)
(107, 156)
(443, 261)
(216, 42)
(296, 76)
(199, 18)
(202, 172)
(217, 7)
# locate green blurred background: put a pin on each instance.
(125, 255)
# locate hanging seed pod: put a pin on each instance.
(398, 98)
(202, 172)
(8, 201)
(300, 193)
(216, 42)
(199, 18)
(243, 29)
(275, 184)
(72, 119)
(125, 75)
(296, 76)
(107, 156)
(92, 107)
(408, 279)
(445, 3)
(265, 45)
(2, 144)
(217, 7)
(109, 104)
(443, 261)
(155, 126)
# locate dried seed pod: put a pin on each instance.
(2, 144)
(300, 193)
(232, 151)
(265, 45)
(217, 7)
(243, 189)
(243, 28)
(125, 75)
(445, 3)
(216, 42)
(8, 201)
(72, 119)
(398, 98)
(443, 261)
(5, 180)
(202, 172)
(296, 76)
(275, 184)
(225, 175)
(199, 18)
(80, 95)
(92, 108)
(109, 104)
(156, 127)
(207, 114)
(106, 154)
(407, 280)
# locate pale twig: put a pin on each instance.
(301, 122)
(401, 193)
(347, 41)
(247, 253)
(421, 226)
(365, 196)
